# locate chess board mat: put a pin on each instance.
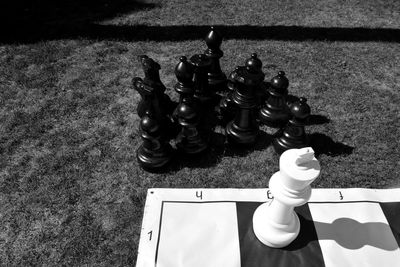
(213, 228)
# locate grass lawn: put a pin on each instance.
(71, 191)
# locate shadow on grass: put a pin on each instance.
(27, 31)
(218, 148)
(316, 119)
(323, 144)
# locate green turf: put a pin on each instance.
(71, 191)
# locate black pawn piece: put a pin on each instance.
(294, 135)
(216, 78)
(243, 129)
(275, 112)
(189, 140)
(155, 152)
(201, 64)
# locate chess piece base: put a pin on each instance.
(274, 234)
(241, 136)
(281, 144)
(275, 119)
(153, 161)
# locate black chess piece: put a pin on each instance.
(227, 107)
(152, 95)
(203, 93)
(275, 112)
(243, 129)
(189, 140)
(151, 89)
(216, 78)
(155, 152)
(294, 135)
(184, 72)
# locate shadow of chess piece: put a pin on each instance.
(155, 152)
(275, 112)
(294, 135)
(243, 129)
(189, 140)
(216, 78)
(152, 95)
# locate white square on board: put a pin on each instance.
(354, 234)
(199, 235)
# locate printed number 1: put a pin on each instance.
(150, 235)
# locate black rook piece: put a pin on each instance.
(275, 112)
(243, 129)
(189, 139)
(294, 135)
(216, 78)
(155, 152)
(201, 64)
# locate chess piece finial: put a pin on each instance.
(155, 152)
(253, 64)
(216, 78)
(275, 223)
(294, 135)
(275, 112)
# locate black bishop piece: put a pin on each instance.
(216, 78)
(155, 152)
(243, 129)
(188, 140)
(294, 135)
(275, 112)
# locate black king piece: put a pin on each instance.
(243, 129)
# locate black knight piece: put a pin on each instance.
(227, 107)
(243, 129)
(151, 90)
(294, 135)
(275, 112)
(155, 152)
(216, 78)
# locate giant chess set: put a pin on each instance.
(207, 97)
